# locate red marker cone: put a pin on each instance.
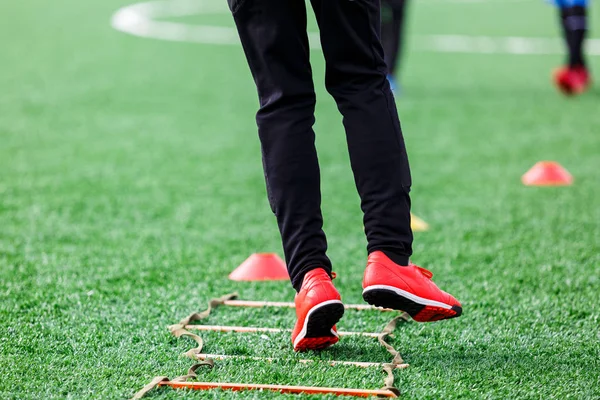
(547, 173)
(261, 267)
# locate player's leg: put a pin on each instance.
(273, 34)
(392, 34)
(573, 18)
(356, 78)
(573, 78)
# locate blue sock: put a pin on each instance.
(393, 84)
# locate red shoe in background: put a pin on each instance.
(572, 81)
(387, 284)
(318, 308)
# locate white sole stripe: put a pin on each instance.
(302, 333)
(409, 296)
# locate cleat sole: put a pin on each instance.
(319, 327)
(387, 298)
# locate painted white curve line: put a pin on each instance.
(140, 20)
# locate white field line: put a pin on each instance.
(472, 1)
(140, 20)
(496, 45)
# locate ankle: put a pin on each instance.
(399, 259)
(315, 273)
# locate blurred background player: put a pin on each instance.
(573, 78)
(392, 34)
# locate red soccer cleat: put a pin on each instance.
(387, 284)
(572, 81)
(318, 308)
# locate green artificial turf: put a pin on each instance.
(131, 185)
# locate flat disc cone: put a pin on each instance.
(547, 173)
(417, 224)
(261, 267)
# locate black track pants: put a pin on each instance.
(393, 17)
(274, 37)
